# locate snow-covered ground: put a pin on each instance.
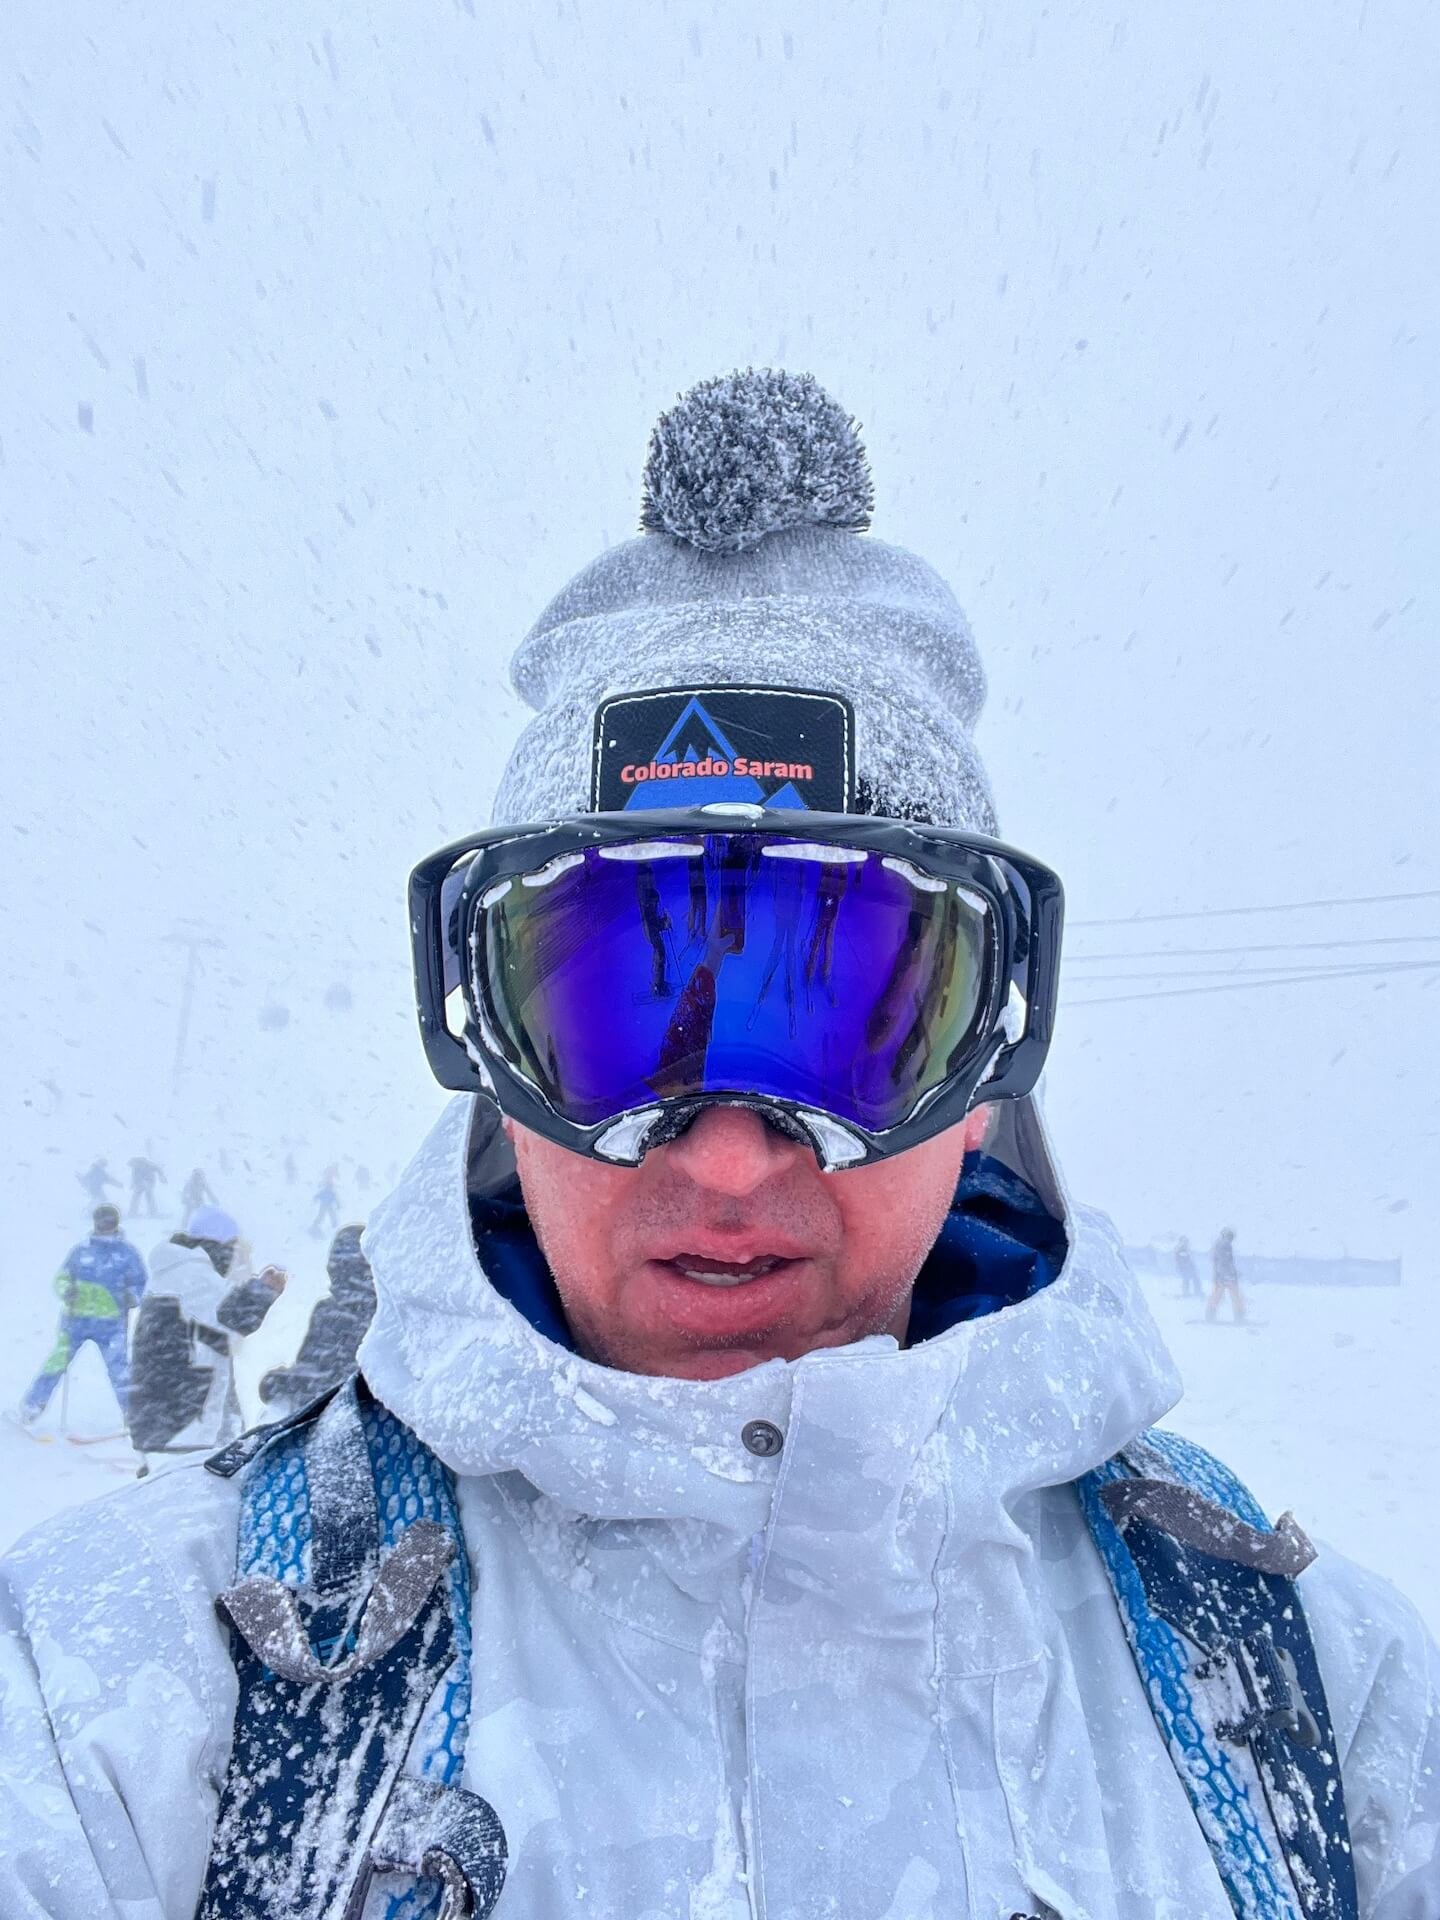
(1323, 1403)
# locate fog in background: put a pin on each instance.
(332, 337)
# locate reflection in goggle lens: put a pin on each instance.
(835, 977)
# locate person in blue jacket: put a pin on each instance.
(101, 1282)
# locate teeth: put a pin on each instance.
(708, 1277)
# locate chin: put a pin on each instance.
(714, 1365)
(720, 1362)
(694, 1363)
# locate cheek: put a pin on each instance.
(894, 1210)
(571, 1202)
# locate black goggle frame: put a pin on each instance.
(1012, 1034)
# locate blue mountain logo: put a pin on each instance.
(694, 735)
(699, 742)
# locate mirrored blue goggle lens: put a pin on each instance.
(841, 979)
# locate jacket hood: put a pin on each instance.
(169, 1263)
(1040, 1381)
(189, 1276)
(347, 1269)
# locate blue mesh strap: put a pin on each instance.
(278, 1539)
(411, 1484)
(1205, 1631)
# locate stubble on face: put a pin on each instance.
(730, 1247)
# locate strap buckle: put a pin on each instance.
(1274, 1700)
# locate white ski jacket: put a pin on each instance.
(189, 1277)
(880, 1676)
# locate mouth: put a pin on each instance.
(702, 1299)
(709, 1272)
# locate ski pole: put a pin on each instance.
(69, 1355)
(125, 1313)
(65, 1392)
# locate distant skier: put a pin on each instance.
(101, 1281)
(95, 1179)
(196, 1193)
(1190, 1288)
(337, 1326)
(202, 1297)
(327, 1202)
(1226, 1276)
(291, 1170)
(144, 1172)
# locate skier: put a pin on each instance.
(327, 1202)
(203, 1298)
(1226, 1277)
(95, 1179)
(337, 1326)
(750, 1499)
(102, 1280)
(196, 1193)
(144, 1172)
(1185, 1266)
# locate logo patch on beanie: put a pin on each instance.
(691, 746)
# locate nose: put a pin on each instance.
(731, 1150)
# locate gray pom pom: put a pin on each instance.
(750, 454)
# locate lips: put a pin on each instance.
(710, 1272)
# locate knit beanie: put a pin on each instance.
(212, 1223)
(754, 643)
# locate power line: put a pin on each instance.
(1261, 973)
(1241, 982)
(1274, 906)
(1272, 946)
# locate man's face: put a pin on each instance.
(730, 1246)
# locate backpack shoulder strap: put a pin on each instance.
(350, 1634)
(1206, 1590)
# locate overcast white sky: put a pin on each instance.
(331, 341)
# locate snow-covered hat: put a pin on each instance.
(212, 1223)
(686, 651)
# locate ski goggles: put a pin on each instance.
(861, 982)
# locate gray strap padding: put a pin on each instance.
(267, 1614)
(445, 1834)
(1194, 1521)
(344, 1524)
(228, 1460)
